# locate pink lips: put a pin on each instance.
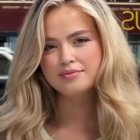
(70, 74)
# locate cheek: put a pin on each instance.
(96, 56)
(93, 60)
(49, 68)
(46, 64)
(93, 55)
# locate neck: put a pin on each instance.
(78, 113)
(76, 109)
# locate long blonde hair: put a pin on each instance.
(30, 100)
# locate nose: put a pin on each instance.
(67, 55)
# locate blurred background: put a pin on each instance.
(13, 13)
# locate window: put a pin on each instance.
(4, 65)
(135, 44)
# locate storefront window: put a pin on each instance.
(134, 41)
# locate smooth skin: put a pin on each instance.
(70, 62)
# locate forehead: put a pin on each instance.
(64, 7)
(68, 14)
(62, 10)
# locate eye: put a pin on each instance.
(49, 47)
(80, 41)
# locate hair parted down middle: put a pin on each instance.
(30, 100)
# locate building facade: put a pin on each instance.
(128, 15)
(13, 13)
(122, 1)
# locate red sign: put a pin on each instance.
(12, 16)
(129, 16)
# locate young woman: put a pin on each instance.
(73, 76)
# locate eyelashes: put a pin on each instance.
(77, 42)
(49, 47)
(80, 41)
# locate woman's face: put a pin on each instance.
(73, 52)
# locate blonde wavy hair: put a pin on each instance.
(30, 100)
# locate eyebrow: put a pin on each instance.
(70, 35)
(78, 33)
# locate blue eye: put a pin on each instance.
(80, 41)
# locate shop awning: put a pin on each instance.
(12, 16)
